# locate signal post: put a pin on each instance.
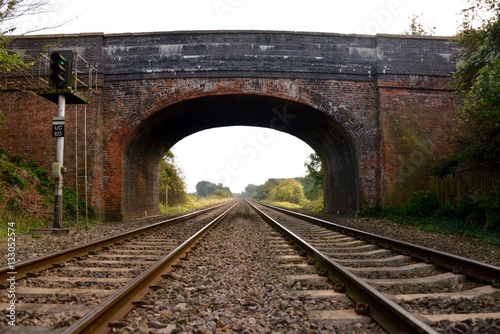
(58, 166)
(62, 83)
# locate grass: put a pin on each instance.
(314, 205)
(193, 203)
(286, 205)
(27, 197)
(24, 224)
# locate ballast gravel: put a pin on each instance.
(230, 283)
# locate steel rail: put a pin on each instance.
(120, 303)
(389, 315)
(458, 264)
(47, 261)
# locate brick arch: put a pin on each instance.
(348, 103)
(159, 131)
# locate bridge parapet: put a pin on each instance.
(274, 54)
(265, 54)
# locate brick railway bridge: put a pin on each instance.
(377, 109)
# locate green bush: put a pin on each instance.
(467, 210)
(70, 208)
(373, 211)
(222, 193)
(14, 179)
(424, 203)
(448, 166)
(490, 203)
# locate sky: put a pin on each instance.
(253, 154)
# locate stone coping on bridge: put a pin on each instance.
(258, 53)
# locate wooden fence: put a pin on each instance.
(456, 186)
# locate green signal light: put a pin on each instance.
(61, 69)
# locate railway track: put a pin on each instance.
(83, 288)
(255, 280)
(245, 278)
(405, 288)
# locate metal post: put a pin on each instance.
(76, 165)
(86, 178)
(58, 210)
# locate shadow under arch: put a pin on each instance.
(163, 129)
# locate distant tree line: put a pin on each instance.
(297, 190)
(206, 188)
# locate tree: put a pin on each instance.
(206, 188)
(479, 14)
(11, 12)
(314, 177)
(222, 193)
(267, 190)
(9, 61)
(418, 29)
(478, 82)
(281, 190)
(289, 190)
(251, 190)
(172, 185)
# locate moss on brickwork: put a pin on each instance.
(414, 160)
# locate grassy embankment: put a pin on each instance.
(27, 197)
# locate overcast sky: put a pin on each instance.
(339, 16)
(252, 155)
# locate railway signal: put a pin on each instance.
(61, 69)
(63, 82)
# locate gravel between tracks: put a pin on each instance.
(230, 283)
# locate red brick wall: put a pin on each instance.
(417, 118)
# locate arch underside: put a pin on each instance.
(166, 127)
